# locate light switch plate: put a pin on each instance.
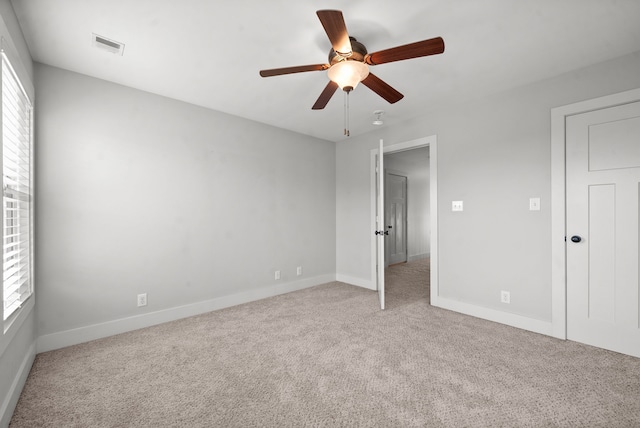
(456, 206)
(534, 204)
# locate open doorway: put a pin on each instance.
(395, 215)
(417, 161)
(407, 205)
(407, 217)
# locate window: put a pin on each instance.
(17, 159)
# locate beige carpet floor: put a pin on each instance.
(328, 357)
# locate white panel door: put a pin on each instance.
(380, 225)
(603, 194)
(395, 199)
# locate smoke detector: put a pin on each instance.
(378, 114)
(107, 44)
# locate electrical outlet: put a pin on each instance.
(457, 206)
(142, 299)
(299, 270)
(505, 297)
(277, 275)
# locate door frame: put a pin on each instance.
(431, 142)
(558, 199)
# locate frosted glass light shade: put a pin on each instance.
(347, 74)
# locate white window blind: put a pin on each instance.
(17, 146)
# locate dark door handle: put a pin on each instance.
(576, 238)
(390, 227)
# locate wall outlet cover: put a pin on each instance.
(505, 297)
(142, 299)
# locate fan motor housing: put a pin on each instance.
(358, 52)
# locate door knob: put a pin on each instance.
(576, 238)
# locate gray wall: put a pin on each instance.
(494, 154)
(143, 194)
(17, 344)
(415, 164)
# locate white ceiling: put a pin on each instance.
(209, 52)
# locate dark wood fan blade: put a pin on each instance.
(412, 50)
(325, 96)
(336, 29)
(290, 70)
(381, 88)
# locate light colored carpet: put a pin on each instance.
(328, 357)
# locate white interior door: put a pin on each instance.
(603, 188)
(395, 199)
(380, 225)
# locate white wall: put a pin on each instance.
(144, 194)
(17, 340)
(493, 154)
(415, 164)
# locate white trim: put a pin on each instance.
(431, 142)
(14, 323)
(415, 257)
(17, 101)
(433, 209)
(558, 199)
(11, 399)
(15, 75)
(62, 339)
(513, 320)
(19, 69)
(364, 283)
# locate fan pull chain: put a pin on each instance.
(346, 113)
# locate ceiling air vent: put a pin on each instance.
(107, 44)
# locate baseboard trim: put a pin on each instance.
(418, 257)
(11, 400)
(364, 283)
(513, 320)
(75, 336)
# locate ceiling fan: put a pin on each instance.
(349, 61)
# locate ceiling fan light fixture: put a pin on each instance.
(347, 74)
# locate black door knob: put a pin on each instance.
(576, 238)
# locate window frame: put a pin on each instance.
(17, 317)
